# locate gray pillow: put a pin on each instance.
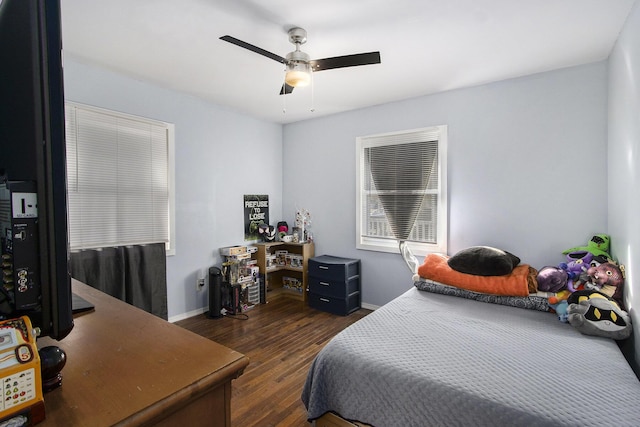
(483, 261)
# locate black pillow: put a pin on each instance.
(483, 261)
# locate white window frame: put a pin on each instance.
(170, 134)
(391, 245)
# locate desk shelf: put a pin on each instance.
(273, 278)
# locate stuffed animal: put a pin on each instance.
(599, 259)
(594, 313)
(562, 295)
(607, 278)
(597, 246)
(584, 276)
(578, 263)
(560, 306)
(551, 279)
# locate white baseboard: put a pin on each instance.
(183, 316)
(369, 306)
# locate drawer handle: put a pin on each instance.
(323, 267)
(324, 283)
(324, 300)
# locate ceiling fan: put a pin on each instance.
(299, 66)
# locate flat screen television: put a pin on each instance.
(32, 153)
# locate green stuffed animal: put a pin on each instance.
(594, 313)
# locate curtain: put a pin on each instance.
(134, 274)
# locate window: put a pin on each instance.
(401, 191)
(119, 179)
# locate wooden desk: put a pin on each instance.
(127, 367)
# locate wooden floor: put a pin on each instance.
(281, 338)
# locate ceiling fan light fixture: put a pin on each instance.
(298, 74)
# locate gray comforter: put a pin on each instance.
(427, 359)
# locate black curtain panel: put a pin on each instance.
(134, 274)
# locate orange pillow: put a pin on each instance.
(436, 268)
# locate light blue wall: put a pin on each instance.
(527, 169)
(624, 163)
(220, 156)
(525, 159)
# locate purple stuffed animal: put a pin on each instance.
(552, 279)
(577, 265)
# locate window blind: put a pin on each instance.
(118, 178)
(399, 176)
(400, 172)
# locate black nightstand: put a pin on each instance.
(334, 284)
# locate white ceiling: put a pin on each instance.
(426, 46)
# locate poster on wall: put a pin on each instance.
(256, 212)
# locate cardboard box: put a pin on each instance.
(233, 250)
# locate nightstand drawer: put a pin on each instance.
(329, 267)
(340, 306)
(334, 288)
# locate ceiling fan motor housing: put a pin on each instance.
(297, 56)
(297, 35)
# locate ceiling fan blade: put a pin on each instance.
(345, 61)
(253, 48)
(286, 89)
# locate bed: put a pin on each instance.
(437, 358)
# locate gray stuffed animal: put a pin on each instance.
(600, 316)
